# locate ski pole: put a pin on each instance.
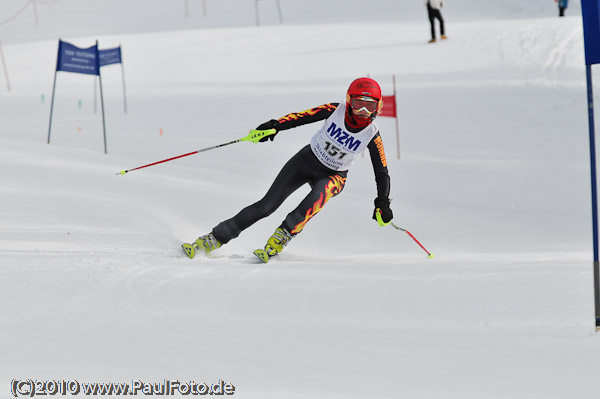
(430, 255)
(254, 136)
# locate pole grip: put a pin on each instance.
(256, 135)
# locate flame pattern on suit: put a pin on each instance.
(310, 115)
(333, 187)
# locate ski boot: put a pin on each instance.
(275, 244)
(207, 242)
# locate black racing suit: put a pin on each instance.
(302, 168)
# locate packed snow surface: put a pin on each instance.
(490, 172)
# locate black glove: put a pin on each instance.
(383, 205)
(272, 124)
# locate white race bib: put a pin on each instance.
(337, 148)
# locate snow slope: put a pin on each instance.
(20, 21)
(493, 178)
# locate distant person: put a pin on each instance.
(562, 6)
(348, 129)
(434, 11)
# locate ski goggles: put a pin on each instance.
(368, 103)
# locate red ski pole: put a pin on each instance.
(254, 136)
(430, 255)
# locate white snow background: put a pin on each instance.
(493, 179)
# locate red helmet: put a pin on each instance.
(363, 89)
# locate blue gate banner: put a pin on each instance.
(110, 56)
(77, 60)
(590, 11)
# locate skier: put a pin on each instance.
(348, 129)
(434, 10)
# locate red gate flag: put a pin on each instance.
(389, 106)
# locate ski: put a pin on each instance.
(189, 249)
(262, 255)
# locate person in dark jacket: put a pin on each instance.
(348, 129)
